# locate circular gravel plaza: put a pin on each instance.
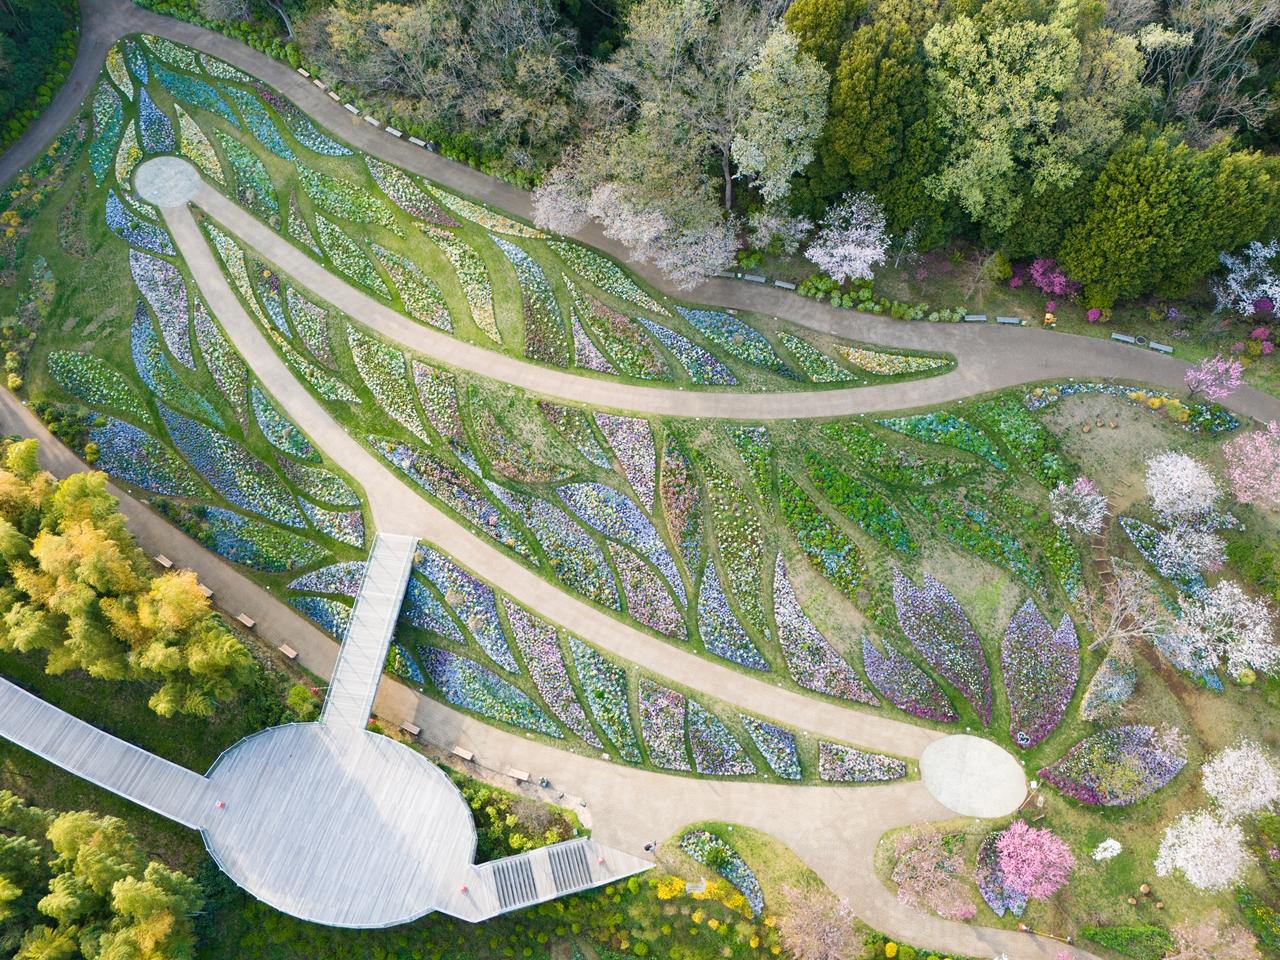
(167, 181)
(973, 777)
(341, 827)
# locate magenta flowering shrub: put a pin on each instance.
(904, 684)
(1046, 276)
(1033, 861)
(937, 627)
(1118, 766)
(1041, 666)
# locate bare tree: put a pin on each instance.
(224, 9)
(1125, 608)
(817, 926)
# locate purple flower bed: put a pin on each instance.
(153, 367)
(466, 684)
(574, 556)
(776, 744)
(161, 283)
(990, 879)
(157, 131)
(702, 366)
(126, 225)
(233, 471)
(406, 194)
(540, 648)
(1118, 766)
(424, 610)
(699, 844)
(648, 599)
(259, 121)
(585, 352)
(662, 725)
(682, 504)
(472, 600)
(300, 125)
(841, 764)
(937, 627)
(1041, 666)
(905, 685)
(716, 751)
(1112, 685)
(605, 686)
(136, 457)
(331, 616)
(196, 92)
(342, 578)
(617, 516)
(813, 663)
(454, 490)
(721, 632)
(741, 340)
(632, 441)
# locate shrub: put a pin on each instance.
(1141, 941)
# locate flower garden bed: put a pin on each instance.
(711, 851)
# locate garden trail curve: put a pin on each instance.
(834, 830)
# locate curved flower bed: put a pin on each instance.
(281, 432)
(195, 146)
(1112, 685)
(402, 665)
(347, 255)
(216, 67)
(405, 193)
(108, 120)
(574, 556)
(467, 684)
(473, 277)
(575, 426)
(815, 364)
(813, 663)
(739, 541)
(861, 503)
(124, 223)
(605, 686)
(161, 284)
(702, 366)
(95, 382)
(632, 441)
(545, 337)
(266, 285)
(740, 339)
(152, 365)
(884, 364)
(937, 627)
(259, 545)
(349, 201)
(719, 628)
(117, 71)
(331, 616)
(418, 292)
(628, 347)
(1118, 766)
(493, 222)
(385, 372)
(254, 188)
(438, 394)
(776, 744)
(662, 725)
(648, 599)
(905, 685)
(540, 649)
(345, 526)
(316, 483)
(947, 430)
(1027, 440)
(157, 131)
(711, 851)
(136, 457)
(978, 531)
(136, 57)
(300, 125)
(342, 578)
(842, 764)
(196, 92)
(1041, 666)
(472, 600)
(895, 465)
(1145, 539)
(990, 880)
(827, 547)
(585, 352)
(422, 608)
(129, 154)
(682, 503)
(312, 323)
(603, 273)
(1207, 417)
(259, 122)
(171, 52)
(716, 751)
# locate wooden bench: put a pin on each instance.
(755, 278)
(303, 72)
(784, 284)
(334, 97)
(247, 620)
(288, 652)
(1124, 338)
(975, 318)
(412, 729)
(1010, 321)
(164, 561)
(417, 143)
(393, 131)
(1161, 348)
(351, 108)
(519, 776)
(208, 594)
(372, 120)
(319, 83)
(462, 753)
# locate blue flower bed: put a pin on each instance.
(136, 457)
(950, 431)
(154, 369)
(904, 684)
(259, 122)
(233, 471)
(157, 131)
(662, 725)
(841, 764)
(1112, 685)
(776, 744)
(300, 125)
(605, 686)
(1041, 666)
(345, 526)
(1118, 766)
(402, 665)
(540, 647)
(342, 578)
(466, 684)
(196, 92)
(279, 430)
(702, 366)
(740, 339)
(126, 225)
(725, 861)
(1207, 417)
(136, 57)
(259, 545)
(472, 600)
(716, 751)
(424, 610)
(544, 329)
(572, 553)
(331, 616)
(319, 484)
(720, 630)
(254, 188)
(162, 286)
(108, 120)
(934, 622)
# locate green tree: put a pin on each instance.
(823, 26)
(1161, 212)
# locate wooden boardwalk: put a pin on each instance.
(106, 761)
